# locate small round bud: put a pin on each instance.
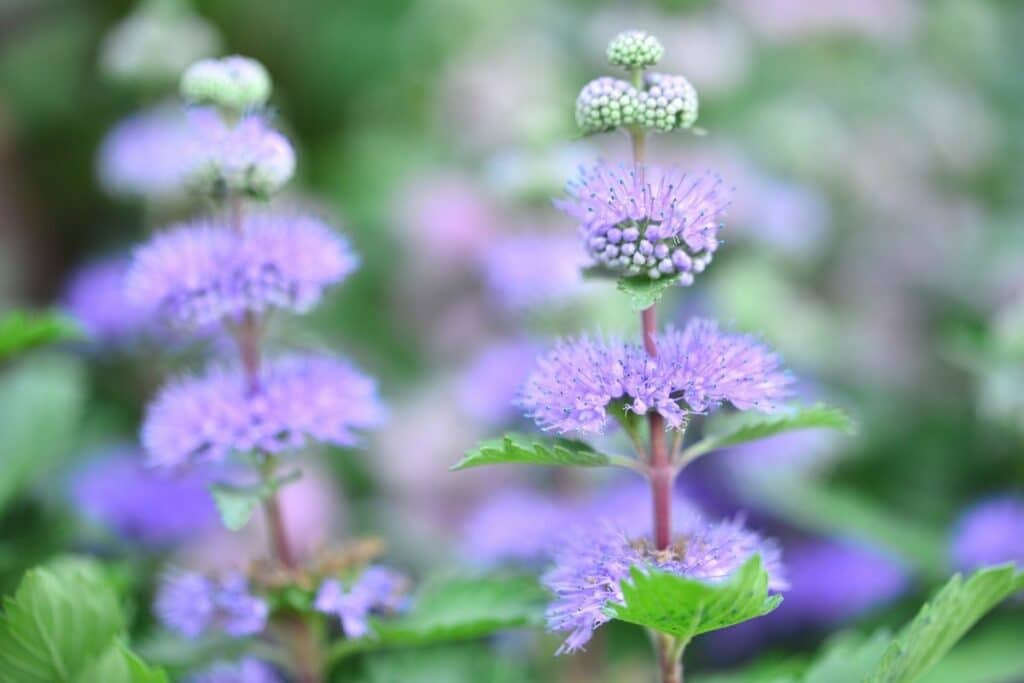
(235, 83)
(669, 103)
(634, 50)
(605, 104)
(631, 234)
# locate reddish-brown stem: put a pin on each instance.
(302, 642)
(660, 465)
(670, 656)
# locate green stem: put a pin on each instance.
(670, 657)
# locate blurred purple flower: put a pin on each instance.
(627, 507)
(246, 670)
(515, 526)
(199, 272)
(191, 604)
(590, 567)
(144, 155)
(377, 590)
(990, 532)
(649, 219)
(696, 369)
(833, 581)
(446, 217)
(142, 505)
(528, 271)
(489, 387)
(95, 297)
(299, 399)
(798, 452)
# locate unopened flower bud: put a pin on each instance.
(236, 84)
(634, 50)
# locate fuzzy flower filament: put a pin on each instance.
(697, 369)
(587, 576)
(648, 220)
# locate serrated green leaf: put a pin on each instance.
(24, 330)
(120, 665)
(644, 292)
(684, 608)
(454, 609)
(529, 450)
(943, 621)
(62, 617)
(41, 402)
(744, 427)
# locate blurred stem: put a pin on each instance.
(247, 333)
(639, 140)
(670, 657)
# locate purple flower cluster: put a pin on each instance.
(247, 157)
(696, 369)
(589, 569)
(141, 505)
(377, 590)
(299, 398)
(192, 604)
(648, 220)
(247, 670)
(990, 532)
(203, 271)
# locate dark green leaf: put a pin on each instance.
(644, 292)
(462, 664)
(21, 331)
(685, 608)
(744, 427)
(847, 657)
(523, 449)
(62, 617)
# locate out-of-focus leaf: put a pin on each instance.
(991, 656)
(22, 330)
(465, 664)
(529, 450)
(644, 292)
(684, 607)
(41, 401)
(62, 617)
(818, 507)
(744, 427)
(237, 503)
(943, 621)
(456, 608)
(846, 658)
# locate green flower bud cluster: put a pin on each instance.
(653, 101)
(234, 84)
(634, 50)
(665, 103)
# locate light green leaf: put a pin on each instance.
(453, 609)
(24, 330)
(236, 504)
(744, 427)
(529, 450)
(644, 292)
(846, 658)
(120, 665)
(685, 608)
(943, 621)
(41, 402)
(62, 616)
(993, 655)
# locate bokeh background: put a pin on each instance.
(875, 239)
